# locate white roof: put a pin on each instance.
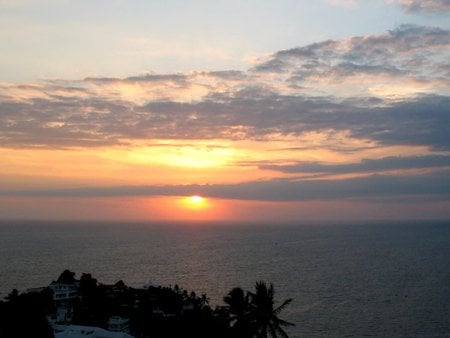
(78, 331)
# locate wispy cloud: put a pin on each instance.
(366, 165)
(389, 89)
(425, 5)
(404, 61)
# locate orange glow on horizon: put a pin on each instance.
(196, 208)
(195, 202)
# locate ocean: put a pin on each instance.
(358, 280)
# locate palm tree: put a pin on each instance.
(263, 314)
(238, 307)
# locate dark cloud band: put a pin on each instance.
(430, 185)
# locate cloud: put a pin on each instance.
(247, 115)
(366, 165)
(425, 5)
(389, 89)
(404, 61)
(371, 187)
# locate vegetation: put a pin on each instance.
(253, 314)
(24, 315)
(152, 312)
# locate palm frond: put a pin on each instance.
(273, 331)
(282, 306)
(284, 322)
(282, 332)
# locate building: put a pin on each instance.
(63, 297)
(78, 331)
(118, 324)
(63, 293)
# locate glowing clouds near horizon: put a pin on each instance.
(304, 131)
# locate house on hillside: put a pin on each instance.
(64, 295)
(78, 331)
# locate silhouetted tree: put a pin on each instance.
(93, 306)
(67, 277)
(263, 315)
(154, 312)
(238, 306)
(120, 285)
(25, 315)
(88, 285)
(13, 295)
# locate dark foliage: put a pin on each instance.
(25, 315)
(153, 312)
(253, 314)
(66, 277)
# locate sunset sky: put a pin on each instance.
(301, 110)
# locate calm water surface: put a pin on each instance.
(380, 280)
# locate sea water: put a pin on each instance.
(380, 280)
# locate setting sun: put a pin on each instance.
(196, 199)
(196, 207)
(195, 203)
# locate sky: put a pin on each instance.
(279, 111)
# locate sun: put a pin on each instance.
(196, 199)
(194, 203)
